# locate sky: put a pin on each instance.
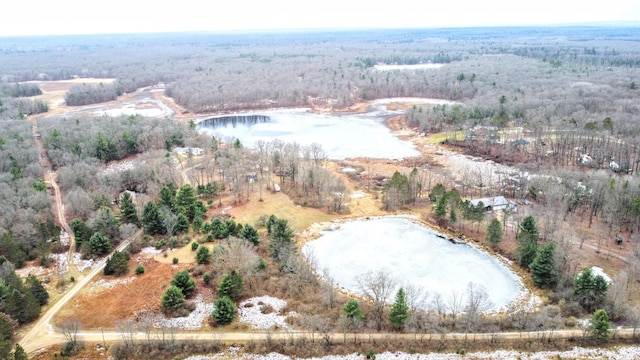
(54, 17)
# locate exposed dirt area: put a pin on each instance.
(102, 306)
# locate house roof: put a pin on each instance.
(491, 201)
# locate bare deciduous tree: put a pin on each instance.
(377, 286)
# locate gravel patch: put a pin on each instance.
(617, 353)
(192, 322)
(251, 312)
(149, 250)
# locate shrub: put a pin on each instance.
(206, 278)
(194, 246)
(139, 270)
(230, 286)
(203, 256)
(224, 310)
(172, 299)
(174, 260)
(184, 282)
(117, 264)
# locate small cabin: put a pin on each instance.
(495, 203)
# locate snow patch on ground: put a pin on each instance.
(596, 270)
(62, 263)
(616, 353)
(149, 250)
(251, 312)
(192, 322)
(358, 195)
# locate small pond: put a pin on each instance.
(412, 254)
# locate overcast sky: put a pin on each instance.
(51, 17)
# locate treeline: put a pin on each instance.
(26, 221)
(91, 94)
(21, 304)
(105, 139)
(19, 90)
(229, 72)
(14, 101)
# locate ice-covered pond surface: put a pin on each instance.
(412, 254)
(341, 136)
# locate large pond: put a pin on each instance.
(341, 136)
(412, 254)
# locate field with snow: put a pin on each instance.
(412, 254)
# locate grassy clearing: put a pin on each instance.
(442, 136)
(278, 204)
(184, 254)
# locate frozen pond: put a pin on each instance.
(412, 254)
(341, 136)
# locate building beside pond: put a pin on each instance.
(495, 203)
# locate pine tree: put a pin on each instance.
(399, 313)
(151, 219)
(19, 353)
(203, 255)
(224, 310)
(35, 287)
(167, 197)
(544, 266)
(281, 245)
(184, 282)
(231, 286)
(186, 199)
(99, 244)
(494, 232)
(589, 289)
(117, 264)
(128, 212)
(600, 326)
(527, 241)
(172, 299)
(250, 234)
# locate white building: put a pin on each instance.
(495, 203)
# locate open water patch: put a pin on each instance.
(412, 254)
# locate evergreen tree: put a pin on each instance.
(231, 226)
(281, 245)
(39, 292)
(81, 231)
(151, 219)
(440, 209)
(117, 264)
(544, 266)
(399, 313)
(167, 197)
(128, 212)
(99, 244)
(527, 241)
(203, 255)
(184, 282)
(494, 232)
(231, 286)
(600, 326)
(270, 222)
(186, 199)
(105, 222)
(437, 192)
(589, 289)
(183, 223)
(19, 353)
(397, 191)
(22, 307)
(219, 229)
(250, 234)
(172, 299)
(224, 310)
